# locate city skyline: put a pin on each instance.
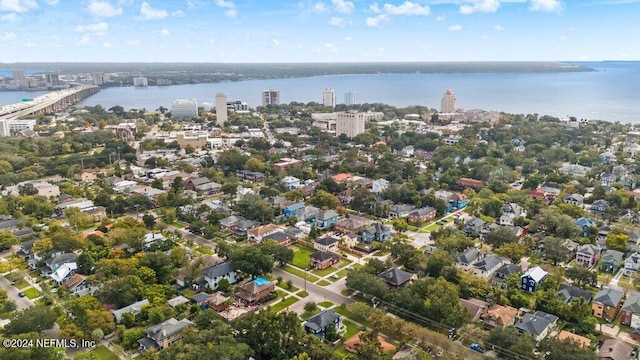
(316, 30)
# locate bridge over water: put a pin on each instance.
(48, 103)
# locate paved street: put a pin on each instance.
(316, 293)
(21, 302)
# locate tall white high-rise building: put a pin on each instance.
(18, 77)
(350, 123)
(4, 128)
(221, 109)
(99, 80)
(329, 98)
(140, 81)
(351, 98)
(270, 97)
(448, 103)
(184, 108)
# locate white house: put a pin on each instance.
(291, 182)
(379, 185)
(510, 211)
(326, 244)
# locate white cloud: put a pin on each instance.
(381, 49)
(375, 8)
(165, 32)
(134, 42)
(232, 10)
(343, 7)
(8, 35)
(106, 45)
(30, 45)
(329, 45)
(546, 5)
(104, 9)
(441, 18)
(52, 2)
(348, 39)
(376, 21)
(19, 6)
(275, 42)
(100, 28)
(319, 8)
(149, 13)
(407, 8)
(486, 6)
(456, 27)
(191, 5)
(337, 21)
(11, 17)
(498, 27)
(178, 13)
(85, 39)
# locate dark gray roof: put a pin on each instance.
(321, 320)
(322, 256)
(552, 318)
(489, 262)
(246, 224)
(218, 270)
(327, 241)
(395, 276)
(613, 256)
(27, 245)
(632, 304)
(166, 329)
(509, 269)
(279, 235)
(533, 324)
(468, 256)
(200, 297)
(62, 259)
(422, 211)
(570, 293)
(608, 296)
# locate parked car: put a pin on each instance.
(477, 348)
(21, 294)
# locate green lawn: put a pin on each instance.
(291, 288)
(307, 314)
(102, 353)
(303, 294)
(204, 250)
(352, 329)
(300, 273)
(283, 304)
(432, 227)
(343, 263)
(14, 276)
(626, 283)
(325, 271)
(21, 284)
(32, 293)
(323, 283)
(341, 274)
(326, 304)
(301, 257)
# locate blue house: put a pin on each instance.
(584, 224)
(326, 218)
(317, 325)
(532, 279)
(377, 232)
(292, 209)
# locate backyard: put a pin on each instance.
(301, 257)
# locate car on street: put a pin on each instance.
(477, 347)
(21, 294)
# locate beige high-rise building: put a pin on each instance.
(350, 123)
(221, 109)
(448, 103)
(329, 98)
(270, 97)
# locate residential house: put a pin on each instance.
(574, 170)
(200, 299)
(574, 199)
(53, 263)
(293, 209)
(379, 185)
(134, 309)
(504, 272)
(24, 250)
(254, 291)
(318, 324)
(396, 278)
(352, 344)
(467, 258)
(581, 341)
(87, 175)
(280, 237)
(202, 185)
(218, 302)
(510, 211)
(322, 260)
(615, 349)
(587, 255)
(631, 264)
(498, 315)
(78, 285)
(537, 325)
(257, 234)
(325, 218)
(531, 280)
(422, 215)
(401, 210)
(631, 310)
(160, 336)
(151, 239)
(606, 303)
(182, 278)
(611, 261)
(212, 275)
(250, 176)
(350, 240)
(64, 272)
(178, 300)
(474, 184)
(608, 157)
(487, 266)
(345, 197)
(308, 213)
(244, 226)
(584, 224)
(407, 151)
(473, 227)
(569, 293)
(290, 182)
(475, 307)
(456, 202)
(230, 221)
(378, 232)
(600, 206)
(326, 244)
(352, 224)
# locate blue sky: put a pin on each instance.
(317, 30)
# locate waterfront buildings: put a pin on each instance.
(329, 98)
(270, 97)
(350, 123)
(221, 109)
(448, 103)
(351, 98)
(140, 81)
(184, 108)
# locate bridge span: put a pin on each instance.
(54, 101)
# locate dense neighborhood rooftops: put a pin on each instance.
(608, 296)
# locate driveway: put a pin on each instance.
(21, 302)
(316, 292)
